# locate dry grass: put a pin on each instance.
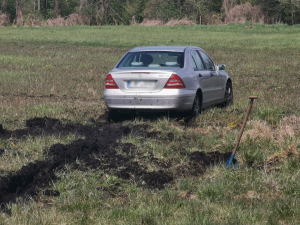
(32, 21)
(71, 20)
(290, 151)
(288, 128)
(158, 22)
(4, 20)
(244, 12)
(76, 19)
(182, 22)
(55, 22)
(152, 22)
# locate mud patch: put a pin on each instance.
(99, 149)
(44, 126)
(42, 122)
(156, 179)
(201, 160)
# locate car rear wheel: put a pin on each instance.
(228, 95)
(196, 110)
(113, 115)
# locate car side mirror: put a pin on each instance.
(222, 67)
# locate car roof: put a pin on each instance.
(162, 48)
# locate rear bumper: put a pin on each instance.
(172, 99)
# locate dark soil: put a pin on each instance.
(100, 149)
(201, 160)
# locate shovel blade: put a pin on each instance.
(230, 161)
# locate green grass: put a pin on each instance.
(59, 72)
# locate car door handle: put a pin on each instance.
(212, 74)
(200, 75)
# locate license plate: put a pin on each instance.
(141, 84)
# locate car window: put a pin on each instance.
(152, 59)
(207, 61)
(197, 60)
(194, 64)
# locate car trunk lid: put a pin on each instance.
(141, 80)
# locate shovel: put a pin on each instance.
(242, 130)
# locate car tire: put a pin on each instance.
(113, 115)
(228, 95)
(197, 106)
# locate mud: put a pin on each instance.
(100, 149)
(201, 160)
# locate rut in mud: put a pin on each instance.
(97, 150)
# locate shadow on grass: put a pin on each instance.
(182, 118)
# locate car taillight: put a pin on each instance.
(110, 82)
(175, 82)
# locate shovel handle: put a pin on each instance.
(244, 124)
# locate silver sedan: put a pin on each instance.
(161, 78)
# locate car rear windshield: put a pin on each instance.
(152, 59)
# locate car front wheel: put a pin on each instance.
(228, 95)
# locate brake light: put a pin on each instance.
(175, 82)
(110, 82)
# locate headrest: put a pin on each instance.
(146, 59)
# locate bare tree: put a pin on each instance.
(81, 4)
(19, 14)
(293, 6)
(4, 19)
(198, 7)
(104, 9)
(57, 8)
(4, 6)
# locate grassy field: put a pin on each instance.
(147, 171)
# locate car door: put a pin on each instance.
(217, 79)
(203, 77)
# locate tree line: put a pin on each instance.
(126, 12)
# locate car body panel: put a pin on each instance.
(142, 88)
